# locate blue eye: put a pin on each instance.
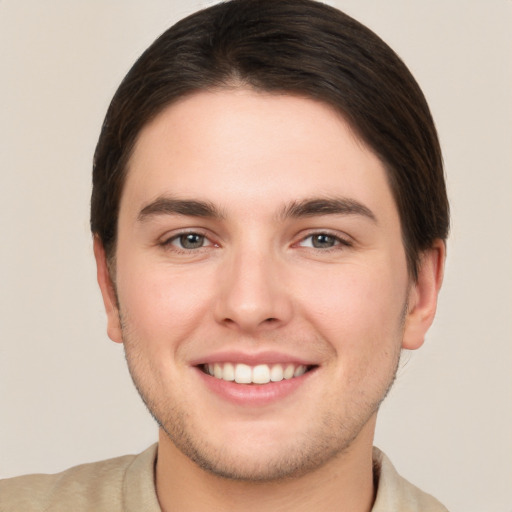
(189, 241)
(322, 241)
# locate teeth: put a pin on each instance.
(276, 373)
(300, 370)
(228, 372)
(243, 374)
(260, 374)
(289, 371)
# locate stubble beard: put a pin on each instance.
(332, 437)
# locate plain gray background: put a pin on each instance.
(65, 395)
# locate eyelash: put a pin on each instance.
(169, 242)
(339, 242)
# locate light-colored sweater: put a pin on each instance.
(126, 484)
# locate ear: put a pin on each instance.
(423, 296)
(108, 292)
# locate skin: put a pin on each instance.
(261, 283)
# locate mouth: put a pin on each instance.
(258, 374)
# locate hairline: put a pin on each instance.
(235, 83)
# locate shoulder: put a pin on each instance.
(396, 493)
(96, 486)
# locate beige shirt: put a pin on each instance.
(126, 484)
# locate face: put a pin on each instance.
(263, 293)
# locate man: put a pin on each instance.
(269, 215)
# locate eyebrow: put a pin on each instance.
(172, 206)
(296, 209)
(326, 206)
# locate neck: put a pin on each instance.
(344, 484)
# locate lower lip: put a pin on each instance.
(254, 395)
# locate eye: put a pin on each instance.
(322, 241)
(188, 241)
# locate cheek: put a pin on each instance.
(358, 309)
(160, 304)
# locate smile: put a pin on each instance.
(259, 374)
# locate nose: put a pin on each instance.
(252, 292)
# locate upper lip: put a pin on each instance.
(252, 359)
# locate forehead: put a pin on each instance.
(242, 147)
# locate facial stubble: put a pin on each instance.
(332, 437)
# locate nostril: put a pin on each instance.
(267, 321)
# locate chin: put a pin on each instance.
(259, 457)
(255, 465)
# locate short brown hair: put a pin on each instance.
(298, 47)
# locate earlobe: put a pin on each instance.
(108, 292)
(423, 296)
